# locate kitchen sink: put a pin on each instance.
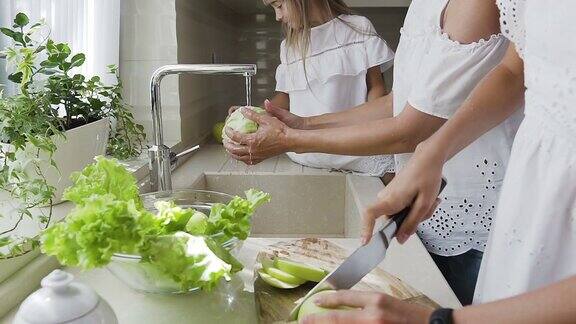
(302, 205)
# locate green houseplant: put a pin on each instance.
(52, 101)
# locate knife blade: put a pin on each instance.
(361, 261)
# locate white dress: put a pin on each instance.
(333, 79)
(435, 74)
(533, 242)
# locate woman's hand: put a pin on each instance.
(291, 120)
(372, 308)
(418, 185)
(270, 140)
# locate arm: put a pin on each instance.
(375, 83)
(398, 134)
(495, 98)
(551, 304)
(280, 100)
(388, 135)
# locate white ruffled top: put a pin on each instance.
(332, 78)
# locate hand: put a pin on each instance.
(233, 109)
(373, 308)
(291, 120)
(269, 140)
(417, 185)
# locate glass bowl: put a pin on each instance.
(145, 277)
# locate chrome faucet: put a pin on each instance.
(161, 158)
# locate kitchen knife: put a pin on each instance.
(362, 261)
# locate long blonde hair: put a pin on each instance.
(298, 37)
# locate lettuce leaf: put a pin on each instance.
(172, 217)
(97, 229)
(233, 219)
(104, 177)
(110, 218)
(190, 261)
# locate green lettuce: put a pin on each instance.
(104, 177)
(97, 229)
(173, 218)
(190, 261)
(233, 219)
(109, 218)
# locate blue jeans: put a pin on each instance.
(461, 272)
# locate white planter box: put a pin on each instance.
(79, 148)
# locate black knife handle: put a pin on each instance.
(399, 218)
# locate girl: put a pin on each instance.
(445, 49)
(529, 272)
(330, 60)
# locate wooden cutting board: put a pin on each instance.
(274, 304)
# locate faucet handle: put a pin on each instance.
(174, 157)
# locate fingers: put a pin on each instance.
(236, 136)
(236, 149)
(336, 317)
(385, 205)
(254, 116)
(232, 109)
(350, 298)
(419, 210)
(274, 110)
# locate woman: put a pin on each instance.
(529, 272)
(443, 43)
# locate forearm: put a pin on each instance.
(552, 304)
(399, 134)
(495, 98)
(372, 110)
(370, 138)
(376, 92)
(281, 100)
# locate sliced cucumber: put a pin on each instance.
(285, 277)
(275, 282)
(300, 270)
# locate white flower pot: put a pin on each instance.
(73, 153)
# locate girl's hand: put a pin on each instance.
(270, 140)
(417, 184)
(372, 308)
(284, 115)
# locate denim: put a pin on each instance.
(461, 272)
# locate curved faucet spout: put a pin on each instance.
(160, 171)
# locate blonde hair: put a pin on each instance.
(298, 37)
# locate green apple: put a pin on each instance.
(275, 282)
(217, 131)
(300, 270)
(309, 307)
(285, 277)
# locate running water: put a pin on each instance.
(248, 90)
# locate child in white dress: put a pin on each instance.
(330, 61)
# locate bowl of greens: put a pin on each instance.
(162, 242)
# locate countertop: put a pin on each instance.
(233, 302)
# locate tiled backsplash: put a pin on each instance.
(159, 32)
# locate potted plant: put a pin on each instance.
(56, 124)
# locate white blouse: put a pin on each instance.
(533, 242)
(332, 78)
(435, 74)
